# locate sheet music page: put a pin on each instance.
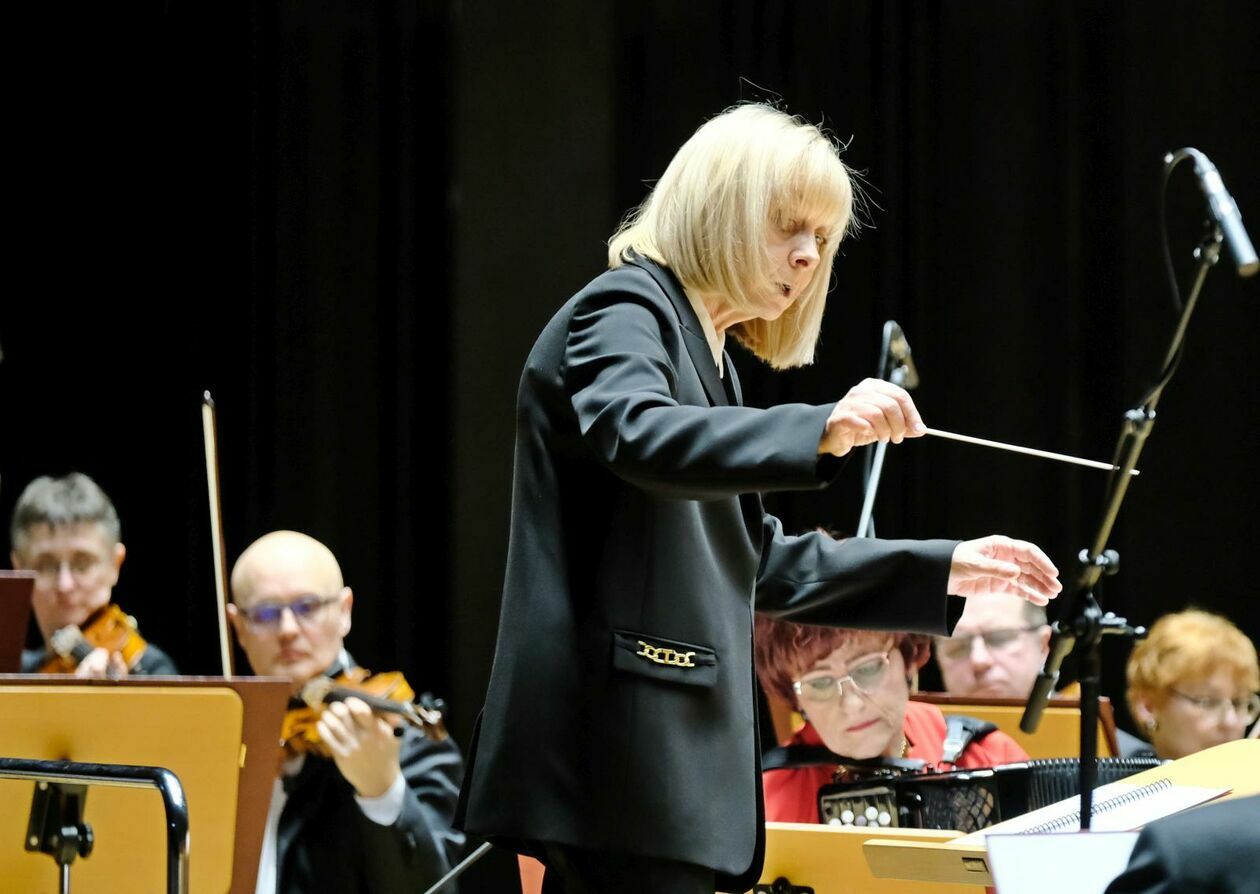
(1037, 864)
(1136, 814)
(1142, 809)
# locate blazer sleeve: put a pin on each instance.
(1152, 867)
(155, 662)
(859, 582)
(623, 384)
(421, 845)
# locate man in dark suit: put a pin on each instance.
(67, 531)
(618, 741)
(1212, 849)
(376, 817)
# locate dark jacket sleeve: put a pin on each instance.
(1149, 871)
(858, 582)
(421, 845)
(622, 381)
(155, 662)
(1198, 851)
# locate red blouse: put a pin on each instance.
(792, 795)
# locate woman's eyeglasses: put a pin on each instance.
(1246, 707)
(865, 675)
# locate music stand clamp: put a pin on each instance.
(782, 885)
(1088, 624)
(56, 825)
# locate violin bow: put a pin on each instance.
(210, 431)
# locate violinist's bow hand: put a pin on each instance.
(102, 664)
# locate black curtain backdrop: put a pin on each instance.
(350, 223)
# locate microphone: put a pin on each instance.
(897, 367)
(903, 371)
(1224, 211)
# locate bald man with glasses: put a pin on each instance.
(376, 817)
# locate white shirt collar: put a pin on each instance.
(716, 340)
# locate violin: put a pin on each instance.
(385, 693)
(109, 628)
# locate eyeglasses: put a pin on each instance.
(1246, 707)
(865, 676)
(81, 566)
(268, 615)
(956, 648)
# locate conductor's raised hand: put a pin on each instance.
(998, 564)
(873, 410)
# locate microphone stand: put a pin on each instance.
(875, 458)
(1088, 624)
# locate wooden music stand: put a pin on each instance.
(219, 736)
(15, 613)
(829, 859)
(964, 860)
(1058, 734)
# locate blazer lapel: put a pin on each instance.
(736, 393)
(305, 792)
(693, 332)
(722, 392)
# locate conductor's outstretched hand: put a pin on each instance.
(998, 564)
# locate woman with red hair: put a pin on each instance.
(853, 688)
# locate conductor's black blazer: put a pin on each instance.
(1212, 849)
(620, 714)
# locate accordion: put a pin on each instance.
(966, 800)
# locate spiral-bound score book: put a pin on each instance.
(966, 860)
(1118, 807)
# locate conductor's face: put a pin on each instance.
(794, 247)
(76, 568)
(290, 613)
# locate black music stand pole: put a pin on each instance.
(1088, 624)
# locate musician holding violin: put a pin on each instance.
(67, 531)
(364, 801)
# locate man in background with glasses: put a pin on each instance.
(377, 816)
(67, 531)
(997, 649)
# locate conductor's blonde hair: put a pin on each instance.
(746, 171)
